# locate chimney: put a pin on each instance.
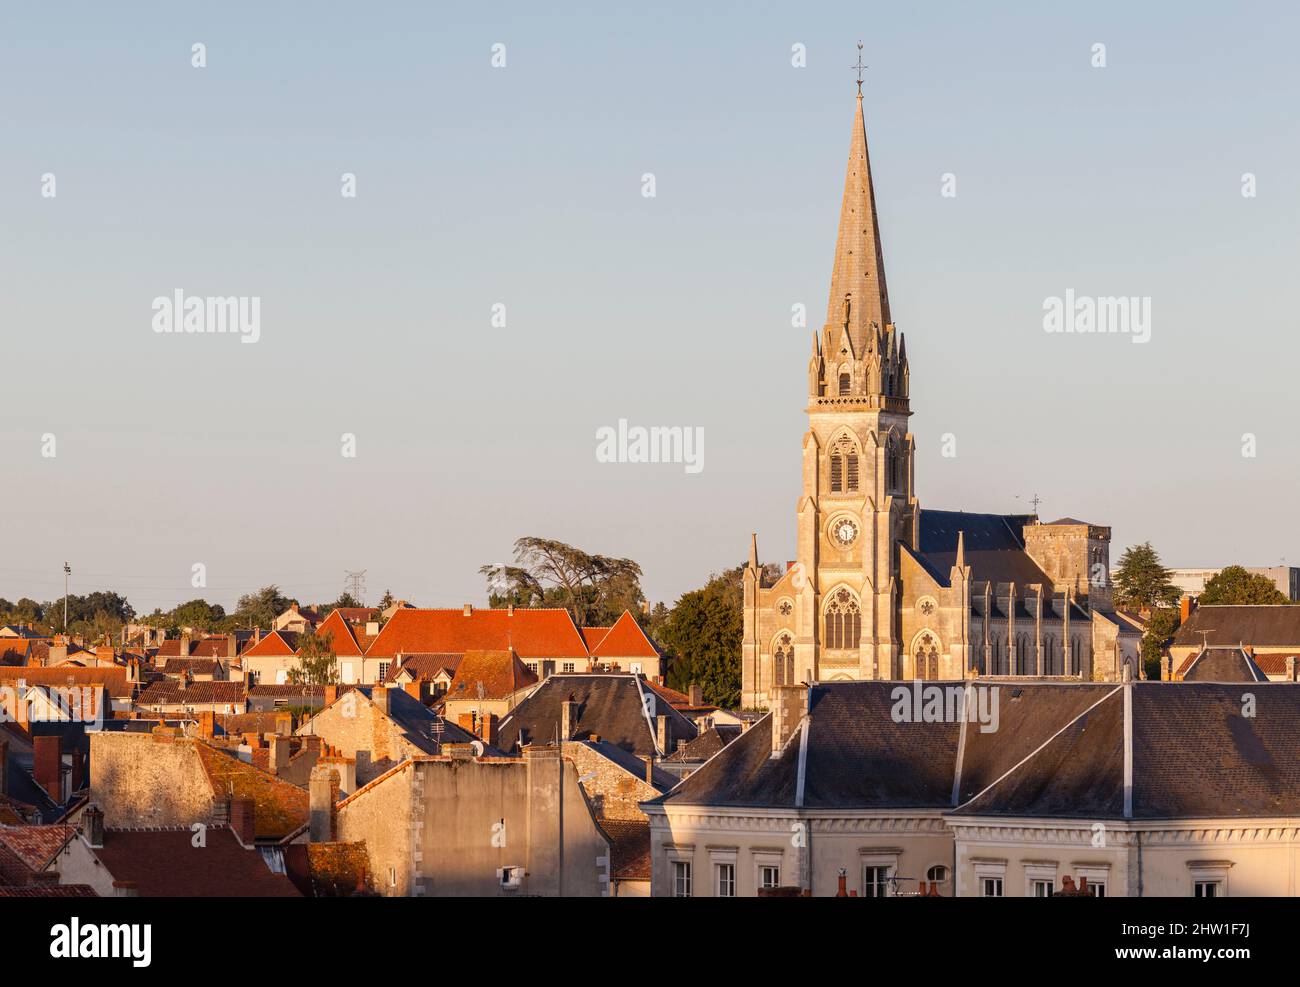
(279, 759)
(322, 793)
(207, 724)
(58, 654)
(568, 719)
(488, 728)
(469, 609)
(789, 706)
(697, 694)
(1083, 886)
(372, 628)
(242, 821)
(843, 891)
(466, 722)
(510, 609)
(663, 733)
(1185, 607)
(379, 696)
(78, 771)
(232, 645)
(93, 826)
(331, 694)
(650, 770)
(47, 765)
(186, 642)
(1290, 668)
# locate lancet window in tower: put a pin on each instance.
(844, 466)
(927, 658)
(844, 384)
(893, 465)
(783, 661)
(843, 622)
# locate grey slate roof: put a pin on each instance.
(994, 546)
(1058, 752)
(609, 706)
(1261, 626)
(1223, 665)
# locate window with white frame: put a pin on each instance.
(990, 887)
(938, 873)
(725, 880)
(875, 881)
(383, 671)
(769, 875)
(1043, 889)
(1040, 879)
(568, 666)
(989, 877)
(681, 878)
(1209, 878)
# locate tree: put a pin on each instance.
(261, 608)
(702, 634)
(595, 589)
(317, 663)
(345, 601)
(95, 613)
(198, 614)
(1235, 585)
(386, 600)
(1142, 582)
(1155, 640)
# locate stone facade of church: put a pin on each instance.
(883, 588)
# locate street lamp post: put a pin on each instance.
(67, 571)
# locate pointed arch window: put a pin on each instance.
(844, 384)
(843, 622)
(783, 661)
(927, 657)
(893, 465)
(844, 466)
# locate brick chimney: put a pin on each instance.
(488, 728)
(843, 891)
(331, 694)
(568, 719)
(789, 705)
(322, 794)
(1185, 607)
(242, 820)
(663, 734)
(650, 770)
(47, 764)
(697, 694)
(207, 724)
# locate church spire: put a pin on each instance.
(858, 294)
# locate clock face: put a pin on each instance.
(845, 532)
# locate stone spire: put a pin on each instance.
(858, 294)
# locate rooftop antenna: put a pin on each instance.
(1205, 640)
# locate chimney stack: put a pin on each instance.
(93, 826)
(469, 609)
(663, 734)
(1185, 607)
(568, 719)
(47, 764)
(242, 821)
(789, 706)
(1291, 668)
(379, 696)
(650, 770)
(488, 728)
(697, 694)
(322, 793)
(279, 759)
(843, 891)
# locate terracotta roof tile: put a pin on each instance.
(531, 634)
(168, 692)
(165, 863)
(36, 846)
(490, 675)
(113, 679)
(279, 808)
(625, 639)
(276, 644)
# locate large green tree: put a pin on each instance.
(261, 608)
(1155, 640)
(702, 635)
(317, 663)
(1142, 582)
(595, 589)
(1235, 585)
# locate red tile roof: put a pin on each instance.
(36, 846)
(531, 634)
(1271, 664)
(112, 679)
(500, 674)
(423, 668)
(276, 644)
(279, 808)
(165, 863)
(625, 639)
(344, 639)
(50, 891)
(168, 692)
(357, 615)
(593, 635)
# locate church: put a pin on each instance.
(883, 588)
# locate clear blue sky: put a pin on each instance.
(522, 186)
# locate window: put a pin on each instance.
(875, 881)
(837, 473)
(852, 460)
(1043, 889)
(568, 666)
(783, 662)
(937, 873)
(726, 884)
(1206, 889)
(843, 622)
(769, 876)
(681, 879)
(844, 384)
(383, 671)
(991, 887)
(1098, 889)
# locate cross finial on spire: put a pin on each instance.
(859, 67)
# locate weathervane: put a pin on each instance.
(859, 67)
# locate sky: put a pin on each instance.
(485, 190)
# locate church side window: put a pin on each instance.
(837, 473)
(843, 622)
(783, 661)
(844, 384)
(844, 466)
(852, 480)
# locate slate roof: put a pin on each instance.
(1221, 665)
(165, 863)
(1260, 626)
(994, 546)
(706, 744)
(609, 705)
(423, 667)
(1058, 752)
